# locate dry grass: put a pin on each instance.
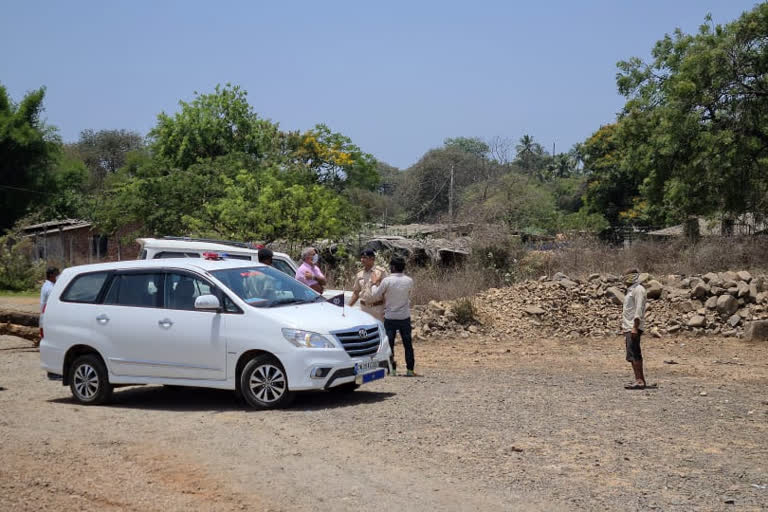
(498, 261)
(585, 256)
(433, 283)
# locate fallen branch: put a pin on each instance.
(19, 318)
(22, 331)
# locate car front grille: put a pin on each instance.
(357, 345)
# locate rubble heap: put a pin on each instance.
(713, 303)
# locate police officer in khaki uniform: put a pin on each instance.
(363, 282)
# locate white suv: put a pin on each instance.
(224, 324)
(182, 247)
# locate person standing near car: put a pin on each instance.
(395, 290)
(50, 278)
(363, 283)
(308, 272)
(633, 324)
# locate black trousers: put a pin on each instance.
(404, 326)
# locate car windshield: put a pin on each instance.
(266, 287)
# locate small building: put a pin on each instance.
(76, 242)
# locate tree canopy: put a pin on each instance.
(692, 138)
(28, 149)
(216, 168)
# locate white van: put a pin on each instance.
(184, 247)
(224, 324)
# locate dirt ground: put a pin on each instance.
(490, 425)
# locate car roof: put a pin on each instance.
(182, 245)
(166, 263)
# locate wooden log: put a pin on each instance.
(19, 318)
(22, 331)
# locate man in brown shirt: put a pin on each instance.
(363, 282)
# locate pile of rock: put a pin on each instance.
(713, 303)
(440, 318)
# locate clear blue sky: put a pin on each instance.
(397, 77)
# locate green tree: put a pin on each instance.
(471, 145)
(523, 205)
(426, 184)
(695, 125)
(266, 206)
(105, 151)
(613, 189)
(27, 149)
(210, 126)
(67, 189)
(532, 158)
(333, 159)
(216, 168)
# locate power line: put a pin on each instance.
(26, 190)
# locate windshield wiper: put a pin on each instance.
(283, 302)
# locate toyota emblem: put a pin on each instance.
(362, 333)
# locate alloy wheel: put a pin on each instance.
(267, 383)
(86, 381)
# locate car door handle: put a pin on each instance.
(165, 323)
(102, 319)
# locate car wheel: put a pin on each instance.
(349, 387)
(264, 384)
(88, 380)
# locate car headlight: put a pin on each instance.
(306, 339)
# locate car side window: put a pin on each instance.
(181, 290)
(85, 288)
(283, 267)
(136, 289)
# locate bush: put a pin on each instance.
(465, 311)
(17, 270)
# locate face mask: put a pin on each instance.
(315, 259)
(630, 279)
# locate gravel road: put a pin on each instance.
(491, 425)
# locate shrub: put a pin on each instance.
(465, 311)
(17, 270)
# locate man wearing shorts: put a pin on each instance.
(633, 324)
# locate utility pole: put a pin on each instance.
(450, 198)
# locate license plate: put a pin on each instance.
(365, 366)
(370, 376)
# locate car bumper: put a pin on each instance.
(51, 358)
(325, 371)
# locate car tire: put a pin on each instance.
(88, 380)
(349, 387)
(264, 383)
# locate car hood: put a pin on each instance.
(320, 317)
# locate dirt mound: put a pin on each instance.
(713, 303)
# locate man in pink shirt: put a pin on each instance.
(308, 272)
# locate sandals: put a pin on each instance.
(635, 385)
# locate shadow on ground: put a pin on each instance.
(179, 398)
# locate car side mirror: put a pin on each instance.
(207, 303)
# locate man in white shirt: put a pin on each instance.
(50, 277)
(395, 290)
(633, 325)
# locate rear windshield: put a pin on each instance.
(85, 288)
(266, 287)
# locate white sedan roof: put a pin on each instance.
(180, 263)
(186, 245)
